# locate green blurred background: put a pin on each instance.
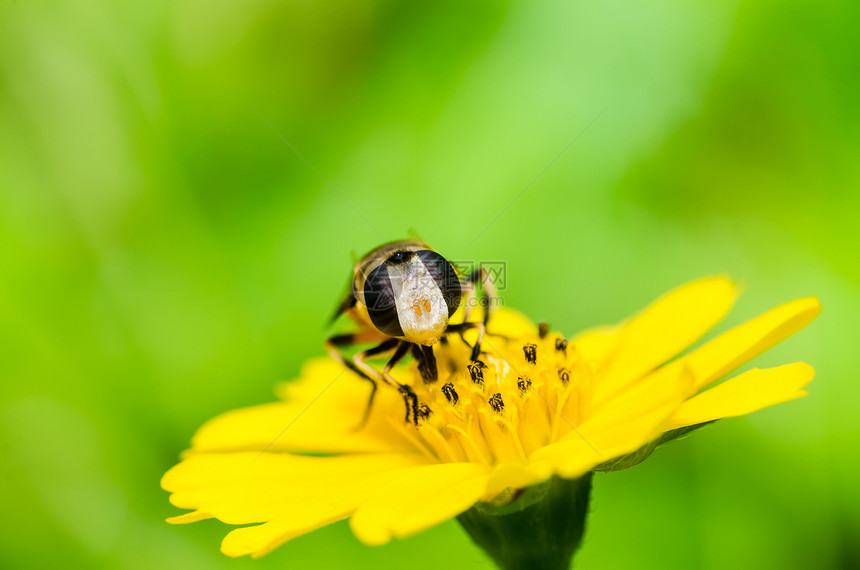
(166, 256)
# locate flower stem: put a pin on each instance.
(541, 535)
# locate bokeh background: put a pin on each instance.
(166, 254)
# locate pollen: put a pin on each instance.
(450, 393)
(497, 403)
(530, 351)
(501, 407)
(564, 375)
(523, 383)
(476, 371)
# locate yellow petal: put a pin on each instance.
(296, 494)
(748, 392)
(321, 413)
(245, 487)
(260, 539)
(596, 344)
(624, 425)
(723, 354)
(423, 497)
(193, 516)
(668, 326)
(509, 322)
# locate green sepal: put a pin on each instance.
(641, 454)
(539, 530)
(514, 500)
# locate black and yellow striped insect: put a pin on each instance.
(402, 295)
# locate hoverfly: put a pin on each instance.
(402, 295)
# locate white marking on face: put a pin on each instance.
(415, 291)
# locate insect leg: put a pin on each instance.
(358, 365)
(409, 397)
(334, 343)
(488, 292)
(489, 295)
(426, 362)
(469, 295)
(462, 328)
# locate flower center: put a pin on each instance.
(520, 395)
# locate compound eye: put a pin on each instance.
(444, 275)
(379, 298)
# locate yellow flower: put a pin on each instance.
(535, 407)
